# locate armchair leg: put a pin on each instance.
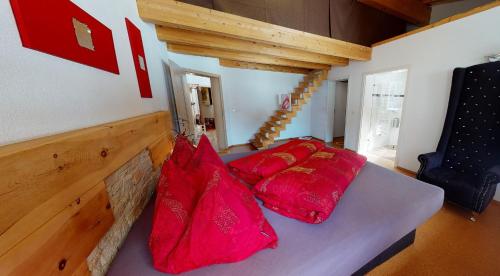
(474, 216)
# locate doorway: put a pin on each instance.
(199, 105)
(384, 95)
(339, 113)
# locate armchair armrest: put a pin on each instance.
(492, 176)
(430, 160)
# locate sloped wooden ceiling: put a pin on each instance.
(413, 11)
(201, 31)
(358, 23)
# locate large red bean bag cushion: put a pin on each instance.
(256, 167)
(183, 151)
(204, 216)
(310, 191)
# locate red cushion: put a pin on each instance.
(181, 155)
(310, 191)
(256, 167)
(183, 151)
(204, 216)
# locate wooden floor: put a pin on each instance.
(450, 244)
(447, 244)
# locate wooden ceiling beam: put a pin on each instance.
(185, 16)
(264, 67)
(413, 11)
(437, 2)
(242, 56)
(186, 37)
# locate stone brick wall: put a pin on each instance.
(129, 189)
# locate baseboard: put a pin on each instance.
(406, 171)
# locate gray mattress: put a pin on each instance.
(378, 209)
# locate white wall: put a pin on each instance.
(199, 80)
(41, 94)
(250, 97)
(430, 57)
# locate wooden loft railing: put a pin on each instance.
(243, 56)
(265, 67)
(186, 37)
(196, 30)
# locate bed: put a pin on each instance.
(375, 220)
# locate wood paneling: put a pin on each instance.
(255, 9)
(202, 3)
(82, 270)
(242, 56)
(442, 22)
(42, 177)
(358, 23)
(286, 13)
(264, 67)
(317, 17)
(64, 242)
(412, 11)
(437, 2)
(303, 15)
(186, 37)
(161, 149)
(185, 16)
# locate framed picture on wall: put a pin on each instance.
(285, 102)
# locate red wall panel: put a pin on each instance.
(47, 26)
(141, 68)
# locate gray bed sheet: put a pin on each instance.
(378, 209)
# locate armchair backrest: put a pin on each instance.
(470, 140)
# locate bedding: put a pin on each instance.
(256, 167)
(204, 216)
(378, 209)
(310, 190)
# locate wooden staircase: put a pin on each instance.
(278, 121)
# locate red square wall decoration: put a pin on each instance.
(141, 68)
(61, 28)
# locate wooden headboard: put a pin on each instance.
(54, 207)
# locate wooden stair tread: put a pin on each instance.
(277, 122)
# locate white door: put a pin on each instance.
(182, 96)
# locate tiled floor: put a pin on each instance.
(383, 156)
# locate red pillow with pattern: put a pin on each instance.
(310, 191)
(183, 151)
(205, 216)
(181, 155)
(256, 167)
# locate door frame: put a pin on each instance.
(218, 97)
(363, 93)
(182, 101)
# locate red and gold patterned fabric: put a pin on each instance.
(256, 167)
(204, 216)
(310, 190)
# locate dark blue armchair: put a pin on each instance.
(466, 163)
